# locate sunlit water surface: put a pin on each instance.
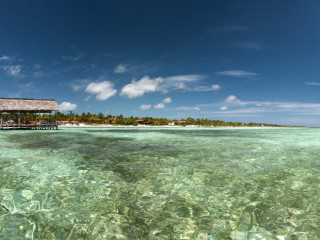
(160, 183)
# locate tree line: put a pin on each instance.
(100, 118)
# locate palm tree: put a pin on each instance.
(70, 116)
(101, 117)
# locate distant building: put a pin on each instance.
(180, 123)
(143, 121)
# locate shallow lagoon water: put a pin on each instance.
(160, 183)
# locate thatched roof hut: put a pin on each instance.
(28, 105)
(23, 105)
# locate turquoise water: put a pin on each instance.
(160, 183)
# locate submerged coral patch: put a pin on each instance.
(131, 183)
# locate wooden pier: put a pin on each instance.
(30, 127)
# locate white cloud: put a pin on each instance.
(255, 107)
(167, 100)
(237, 73)
(286, 105)
(102, 90)
(312, 83)
(13, 70)
(261, 110)
(263, 106)
(120, 68)
(138, 88)
(67, 106)
(199, 88)
(164, 85)
(187, 108)
(238, 113)
(243, 111)
(5, 58)
(145, 106)
(215, 87)
(232, 99)
(160, 105)
(184, 78)
(79, 56)
(182, 82)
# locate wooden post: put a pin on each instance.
(56, 115)
(1, 121)
(19, 120)
(49, 121)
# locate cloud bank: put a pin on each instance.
(159, 84)
(5, 58)
(145, 106)
(159, 106)
(13, 70)
(312, 83)
(167, 100)
(138, 88)
(215, 87)
(102, 90)
(237, 73)
(67, 106)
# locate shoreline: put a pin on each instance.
(162, 126)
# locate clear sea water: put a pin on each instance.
(160, 183)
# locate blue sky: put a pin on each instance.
(247, 61)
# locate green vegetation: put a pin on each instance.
(100, 118)
(89, 118)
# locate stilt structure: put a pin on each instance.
(16, 106)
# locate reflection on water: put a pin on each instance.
(157, 183)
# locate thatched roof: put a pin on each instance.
(28, 105)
